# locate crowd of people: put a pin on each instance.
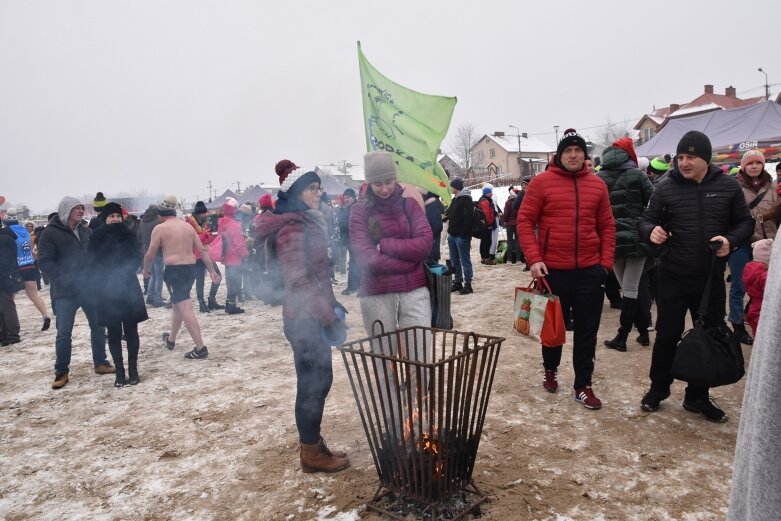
(642, 228)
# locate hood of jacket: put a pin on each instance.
(614, 158)
(149, 215)
(66, 206)
(745, 180)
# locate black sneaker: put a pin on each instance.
(197, 354)
(652, 399)
(707, 408)
(457, 286)
(348, 291)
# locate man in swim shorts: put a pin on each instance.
(178, 241)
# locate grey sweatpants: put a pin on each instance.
(399, 311)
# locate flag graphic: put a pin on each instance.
(409, 124)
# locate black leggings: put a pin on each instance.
(115, 343)
(200, 276)
(314, 375)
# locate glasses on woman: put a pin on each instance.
(314, 188)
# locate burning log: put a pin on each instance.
(422, 395)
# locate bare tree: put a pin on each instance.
(461, 144)
(611, 132)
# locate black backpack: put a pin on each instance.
(479, 223)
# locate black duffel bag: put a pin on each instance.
(708, 356)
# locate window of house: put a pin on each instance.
(648, 133)
(493, 153)
(479, 157)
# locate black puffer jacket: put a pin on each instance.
(630, 190)
(695, 212)
(63, 257)
(459, 216)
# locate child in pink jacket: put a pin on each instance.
(754, 278)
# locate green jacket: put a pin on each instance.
(630, 190)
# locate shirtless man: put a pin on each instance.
(178, 240)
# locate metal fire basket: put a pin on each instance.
(422, 395)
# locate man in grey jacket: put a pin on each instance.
(62, 249)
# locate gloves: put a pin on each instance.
(335, 333)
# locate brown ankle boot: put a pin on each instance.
(335, 453)
(316, 457)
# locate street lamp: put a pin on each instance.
(767, 87)
(520, 164)
(556, 129)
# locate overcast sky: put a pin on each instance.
(165, 96)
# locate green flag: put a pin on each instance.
(408, 124)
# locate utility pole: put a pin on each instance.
(767, 87)
(210, 191)
(520, 162)
(556, 129)
(238, 187)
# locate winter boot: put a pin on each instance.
(467, 289)
(132, 365)
(202, 306)
(643, 339)
(619, 342)
(742, 334)
(457, 286)
(336, 453)
(549, 382)
(231, 308)
(213, 298)
(119, 378)
(316, 457)
(627, 319)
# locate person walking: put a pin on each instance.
(459, 217)
(573, 248)
(298, 231)
(114, 258)
(694, 206)
(760, 191)
(62, 248)
(630, 190)
(234, 251)
(26, 264)
(177, 239)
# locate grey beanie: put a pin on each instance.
(378, 167)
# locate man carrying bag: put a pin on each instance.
(693, 206)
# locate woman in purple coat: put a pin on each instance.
(391, 238)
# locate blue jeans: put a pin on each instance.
(154, 294)
(66, 315)
(737, 261)
(460, 257)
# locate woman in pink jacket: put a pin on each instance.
(234, 251)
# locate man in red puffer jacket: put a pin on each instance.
(573, 249)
